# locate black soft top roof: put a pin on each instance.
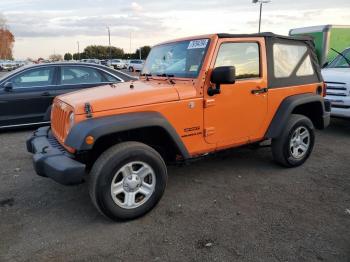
(266, 35)
(293, 79)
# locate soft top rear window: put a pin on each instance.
(291, 62)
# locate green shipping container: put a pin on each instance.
(326, 37)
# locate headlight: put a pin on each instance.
(70, 122)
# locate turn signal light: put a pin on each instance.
(89, 140)
(324, 89)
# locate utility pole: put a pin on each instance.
(130, 45)
(109, 41)
(78, 51)
(140, 53)
(261, 2)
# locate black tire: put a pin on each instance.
(109, 163)
(280, 146)
(131, 69)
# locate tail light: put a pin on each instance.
(324, 91)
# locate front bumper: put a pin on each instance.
(340, 106)
(326, 113)
(50, 159)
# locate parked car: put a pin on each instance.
(337, 77)
(105, 62)
(196, 96)
(117, 64)
(92, 61)
(135, 65)
(8, 65)
(27, 93)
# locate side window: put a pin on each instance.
(245, 57)
(71, 75)
(288, 57)
(110, 78)
(34, 78)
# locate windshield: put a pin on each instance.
(340, 62)
(179, 59)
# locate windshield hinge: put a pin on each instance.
(88, 110)
(209, 102)
(208, 131)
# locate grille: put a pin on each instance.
(59, 118)
(336, 89)
(54, 143)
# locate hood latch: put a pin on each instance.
(88, 110)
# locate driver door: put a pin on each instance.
(236, 115)
(29, 97)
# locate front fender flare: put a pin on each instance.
(99, 127)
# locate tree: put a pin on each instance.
(102, 52)
(68, 56)
(144, 52)
(55, 57)
(75, 56)
(7, 40)
(79, 56)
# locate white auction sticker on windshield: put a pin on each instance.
(202, 43)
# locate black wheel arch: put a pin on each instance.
(111, 126)
(309, 105)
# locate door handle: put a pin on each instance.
(46, 94)
(259, 91)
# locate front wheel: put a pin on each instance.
(127, 180)
(294, 146)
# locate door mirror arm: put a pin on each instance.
(8, 86)
(214, 91)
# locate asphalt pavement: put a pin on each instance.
(238, 206)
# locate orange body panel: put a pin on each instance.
(233, 118)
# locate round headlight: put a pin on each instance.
(71, 119)
(70, 122)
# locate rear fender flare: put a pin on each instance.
(286, 108)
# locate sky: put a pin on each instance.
(45, 27)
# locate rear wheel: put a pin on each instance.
(131, 69)
(127, 180)
(296, 142)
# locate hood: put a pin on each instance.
(336, 75)
(128, 94)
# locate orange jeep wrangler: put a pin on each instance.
(195, 96)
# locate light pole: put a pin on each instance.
(140, 53)
(78, 51)
(130, 44)
(109, 41)
(261, 2)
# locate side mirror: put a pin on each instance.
(325, 64)
(221, 75)
(8, 86)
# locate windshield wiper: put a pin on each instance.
(165, 75)
(169, 77)
(347, 60)
(147, 76)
